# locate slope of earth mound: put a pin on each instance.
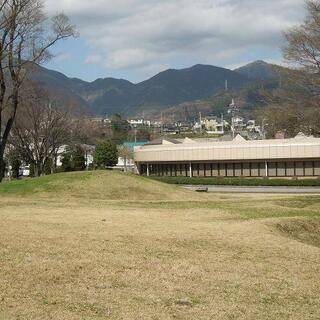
(103, 185)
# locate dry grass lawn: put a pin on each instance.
(105, 245)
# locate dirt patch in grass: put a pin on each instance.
(303, 230)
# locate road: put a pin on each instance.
(254, 189)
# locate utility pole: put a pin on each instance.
(226, 86)
(161, 128)
(263, 128)
(222, 119)
(233, 110)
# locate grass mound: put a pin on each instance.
(105, 185)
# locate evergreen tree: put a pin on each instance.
(31, 173)
(48, 166)
(120, 129)
(14, 161)
(66, 164)
(106, 154)
(15, 167)
(78, 159)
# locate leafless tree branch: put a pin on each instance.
(26, 35)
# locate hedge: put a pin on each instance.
(239, 181)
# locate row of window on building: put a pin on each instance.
(245, 169)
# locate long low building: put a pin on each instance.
(297, 157)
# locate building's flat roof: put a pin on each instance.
(238, 149)
(237, 141)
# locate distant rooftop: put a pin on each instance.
(227, 139)
(131, 145)
(163, 140)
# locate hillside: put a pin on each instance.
(250, 98)
(176, 86)
(258, 70)
(166, 90)
(59, 88)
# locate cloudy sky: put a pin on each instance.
(135, 39)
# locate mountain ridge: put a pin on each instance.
(107, 96)
(258, 70)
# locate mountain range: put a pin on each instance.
(165, 90)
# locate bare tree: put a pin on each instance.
(126, 154)
(26, 35)
(303, 42)
(86, 131)
(303, 50)
(295, 106)
(40, 130)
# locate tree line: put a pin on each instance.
(33, 127)
(45, 132)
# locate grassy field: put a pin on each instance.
(105, 245)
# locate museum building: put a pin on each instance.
(296, 157)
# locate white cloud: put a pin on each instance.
(93, 59)
(142, 34)
(129, 58)
(65, 56)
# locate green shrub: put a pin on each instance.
(48, 166)
(31, 173)
(73, 159)
(91, 166)
(239, 181)
(78, 159)
(13, 158)
(106, 154)
(66, 163)
(16, 163)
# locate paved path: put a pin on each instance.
(254, 189)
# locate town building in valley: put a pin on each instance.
(296, 157)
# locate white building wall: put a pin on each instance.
(226, 151)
